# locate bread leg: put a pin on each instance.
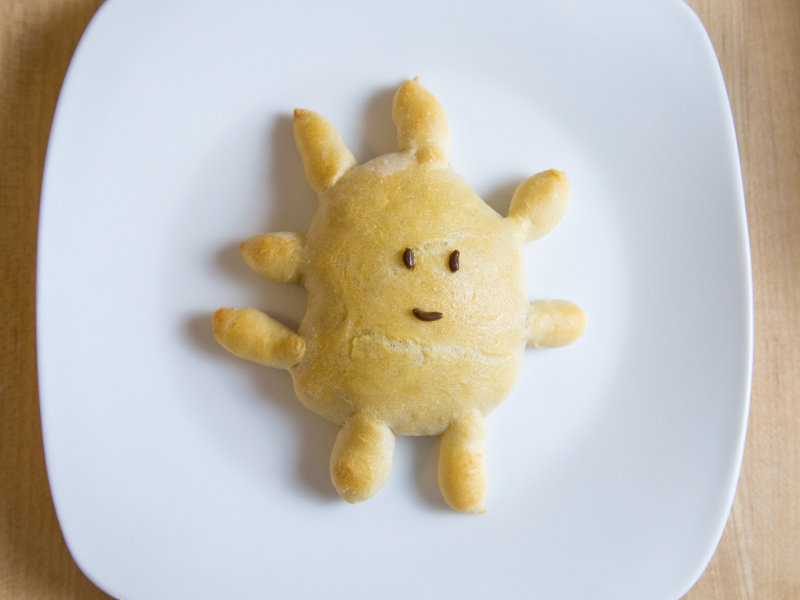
(362, 458)
(462, 463)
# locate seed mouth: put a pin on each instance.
(427, 316)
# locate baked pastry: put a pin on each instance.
(418, 313)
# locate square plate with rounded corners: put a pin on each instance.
(179, 471)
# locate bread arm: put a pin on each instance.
(275, 256)
(249, 333)
(554, 323)
(539, 203)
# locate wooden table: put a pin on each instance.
(758, 44)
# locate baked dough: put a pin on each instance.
(418, 314)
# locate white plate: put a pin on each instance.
(179, 471)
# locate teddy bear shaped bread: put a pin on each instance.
(418, 314)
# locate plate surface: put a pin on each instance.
(179, 471)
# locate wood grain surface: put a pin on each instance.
(758, 44)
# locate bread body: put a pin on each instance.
(365, 349)
(418, 314)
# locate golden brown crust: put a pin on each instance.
(463, 477)
(367, 350)
(394, 346)
(554, 323)
(275, 256)
(422, 125)
(362, 458)
(252, 335)
(325, 156)
(539, 203)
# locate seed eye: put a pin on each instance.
(408, 259)
(454, 260)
